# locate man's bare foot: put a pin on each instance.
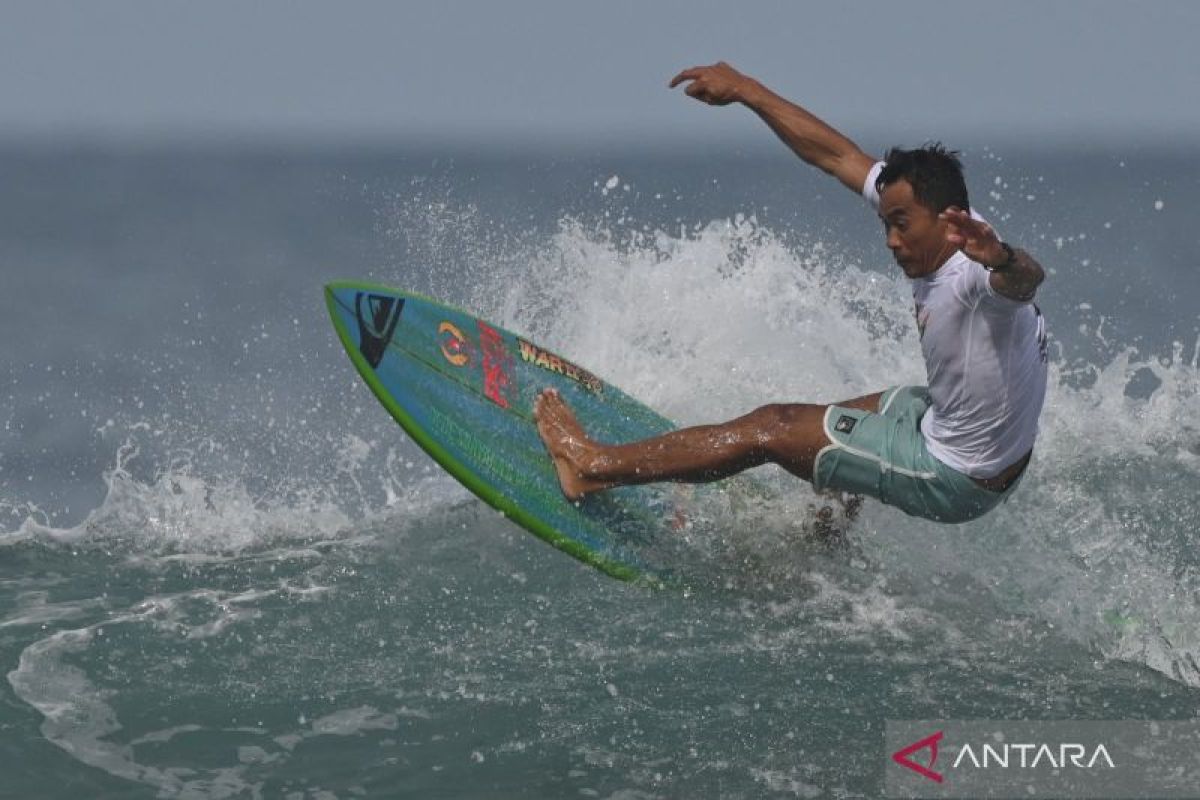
(568, 445)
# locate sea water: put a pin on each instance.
(225, 572)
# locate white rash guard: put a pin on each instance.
(985, 361)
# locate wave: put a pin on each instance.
(706, 322)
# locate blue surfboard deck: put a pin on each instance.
(463, 389)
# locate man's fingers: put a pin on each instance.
(686, 75)
(697, 90)
(966, 222)
(964, 219)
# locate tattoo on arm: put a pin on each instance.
(1021, 280)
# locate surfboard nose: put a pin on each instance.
(366, 316)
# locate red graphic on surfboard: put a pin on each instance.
(498, 384)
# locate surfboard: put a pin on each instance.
(463, 390)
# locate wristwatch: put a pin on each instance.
(1010, 258)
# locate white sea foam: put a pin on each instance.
(78, 718)
(709, 323)
(179, 513)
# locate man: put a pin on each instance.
(949, 451)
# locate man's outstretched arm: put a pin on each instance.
(808, 137)
(1015, 273)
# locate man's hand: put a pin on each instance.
(717, 85)
(973, 237)
(1018, 280)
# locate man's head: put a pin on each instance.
(914, 187)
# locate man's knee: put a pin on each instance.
(787, 430)
(776, 416)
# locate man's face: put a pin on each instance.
(915, 235)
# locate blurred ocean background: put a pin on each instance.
(225, 572)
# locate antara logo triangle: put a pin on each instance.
(902, 757)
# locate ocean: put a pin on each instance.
(225, 572)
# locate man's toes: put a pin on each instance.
(540, 404)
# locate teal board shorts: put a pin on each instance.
(883, 454)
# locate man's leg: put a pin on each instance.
(789, 435)
(868, 402)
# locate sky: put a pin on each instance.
(527, 70)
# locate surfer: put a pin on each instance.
(949, 451)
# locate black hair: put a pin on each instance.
(935, 174)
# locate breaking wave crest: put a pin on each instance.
(703, 323)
